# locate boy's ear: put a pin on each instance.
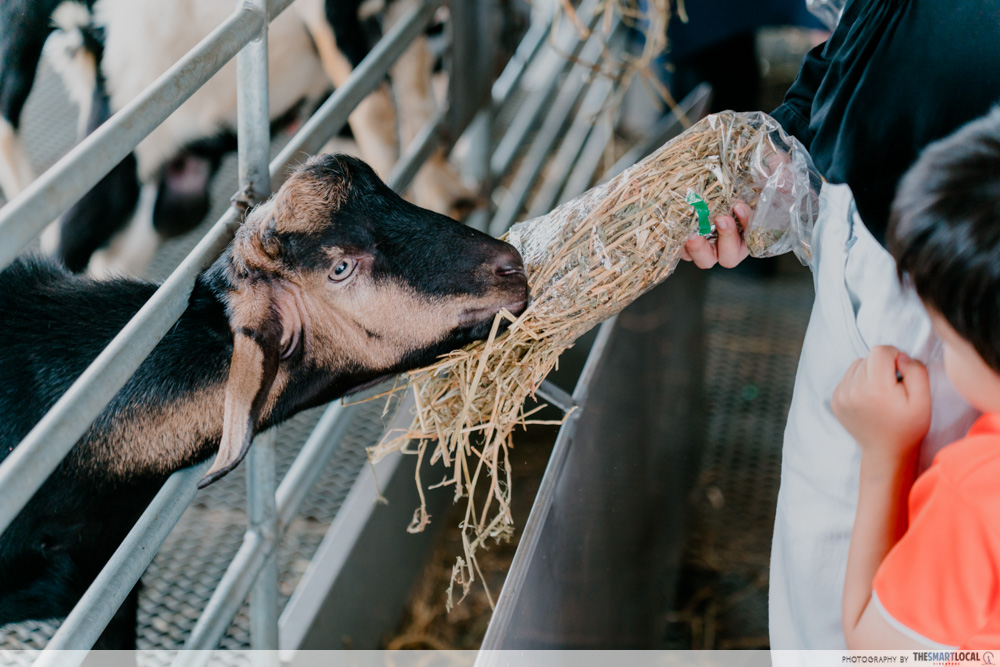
(257, 334)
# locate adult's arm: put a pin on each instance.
(795, 111)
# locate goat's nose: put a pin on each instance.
(509, 265)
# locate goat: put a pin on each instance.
(110, 50)
(331, 286)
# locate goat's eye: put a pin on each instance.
(343, 270)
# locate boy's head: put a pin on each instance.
(944, 233)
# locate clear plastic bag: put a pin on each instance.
(586, 261)
(780, 183)
(602, 249)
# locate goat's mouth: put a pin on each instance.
(476, 317)
(374, 382)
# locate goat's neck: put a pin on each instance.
(169, 414)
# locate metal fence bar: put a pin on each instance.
(423, 145)
(262, 519)
(308, 465)
(554, 61)
(561, 165)
(551, 130)
(253, 119)
(252, 556)
(531, 533)
(234, 587)
(556, 396)
(105, 595)
(98, 605)
(81, 168)
(525, 53)
(692, 106)
(275, 7)
(226, 601)
(332, 115)
(473, 47)
(581, 176)
(481, 134)
(254, 142)
(74, 412)
(37, 455)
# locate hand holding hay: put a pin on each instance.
(585, 262)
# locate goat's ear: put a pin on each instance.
(256, 351)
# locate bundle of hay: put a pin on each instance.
(585, 262)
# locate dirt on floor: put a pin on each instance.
(427, 623)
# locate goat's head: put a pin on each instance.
(336, 283)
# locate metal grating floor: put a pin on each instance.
(194, 557)
(182, 577)
(755, 328)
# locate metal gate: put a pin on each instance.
(542, 95)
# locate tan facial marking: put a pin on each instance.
(375, 326)
(250, 305)
(303, 204)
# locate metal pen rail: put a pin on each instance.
(270, 509)
(271, 506)
(37, 455)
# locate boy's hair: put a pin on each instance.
(944, 232)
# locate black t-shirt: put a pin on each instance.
(894, 76)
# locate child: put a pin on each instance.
(931, 576)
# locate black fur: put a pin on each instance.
(944, 236)
(57, 322)
(352, 35)
(24, 27)
(58, 544)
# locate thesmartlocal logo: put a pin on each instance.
(957, 658)
(954, 657)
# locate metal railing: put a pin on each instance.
(272, 506)
(270, 509)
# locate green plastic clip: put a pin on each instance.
(704, 226)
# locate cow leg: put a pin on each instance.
(24, 26)
(15, 170)
(130, 252)
(373, 121)
(437, 185)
